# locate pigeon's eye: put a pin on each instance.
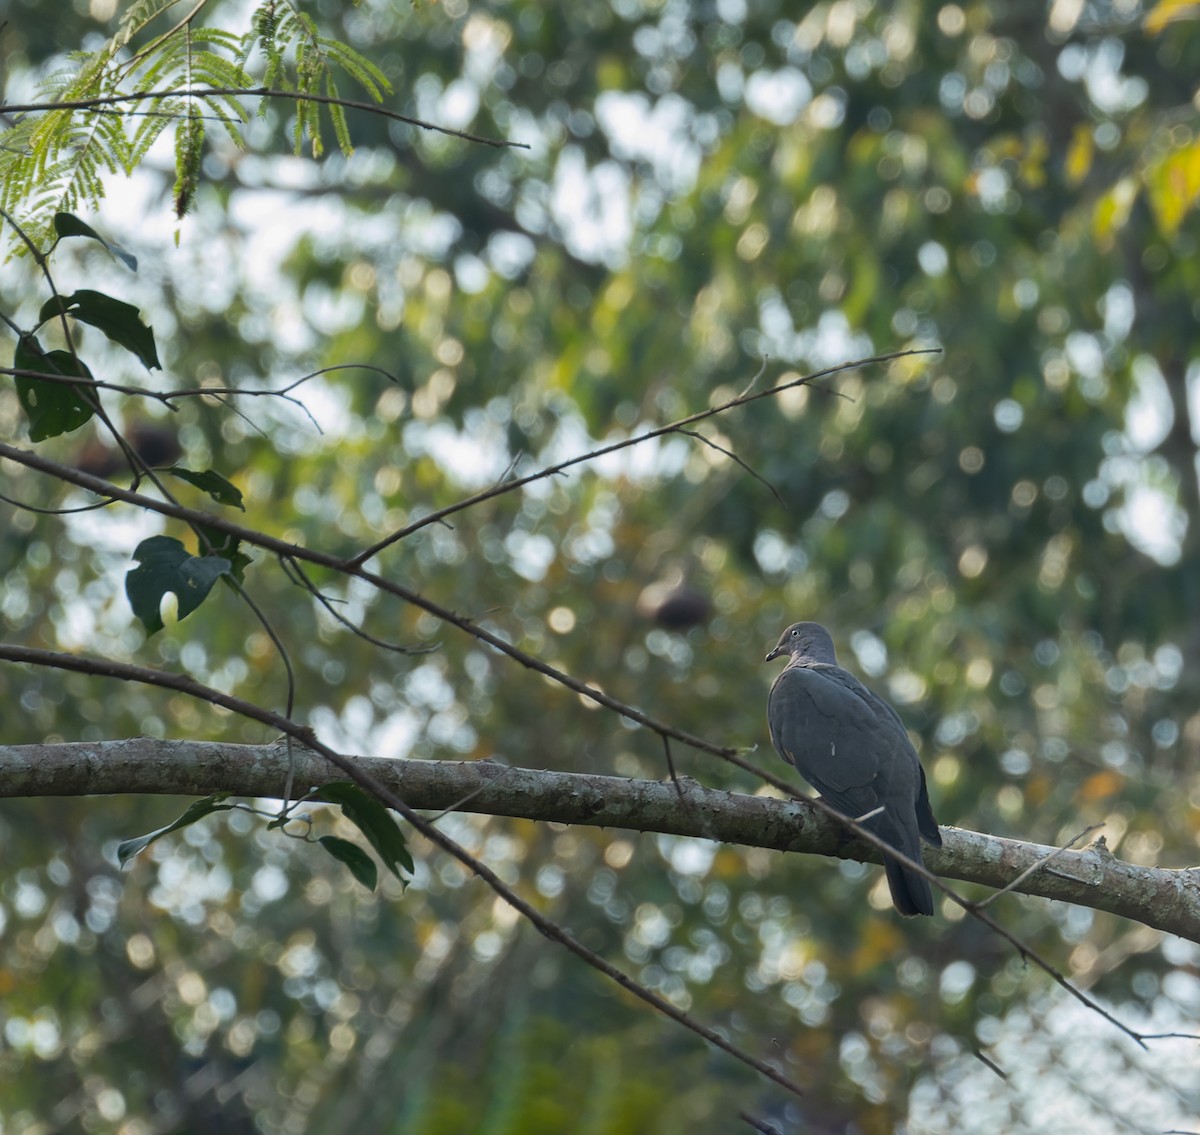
(795, 634)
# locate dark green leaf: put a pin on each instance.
(211, 483)
(120, 321)
(128, 848)
(164, 564)
(67, 224)
(373, 820)
(361, 865)
(53, 408)
(213, 542)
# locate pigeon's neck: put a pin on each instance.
(810, 661)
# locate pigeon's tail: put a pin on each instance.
(910, 892)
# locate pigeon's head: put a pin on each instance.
(809, 641)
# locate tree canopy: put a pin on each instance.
(357, 279)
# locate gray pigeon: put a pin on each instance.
(850, 745)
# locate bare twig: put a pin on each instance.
(1036, 867)
(65, 511)
(762, 369)
(297, 575)
(734, 457)
(990, 1064)
(638, 439)
(759, 1125)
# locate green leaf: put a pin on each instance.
(373, 820)
(120, 321)
(213, 542)
(53, 408)
(361, 865)
(67, 224)
(164, 564)
(211, 483)
(197, 810)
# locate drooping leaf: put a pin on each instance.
(165, 565)
(197, 810)
(53, 408)
(120, 321)
(67, 224)
(375, 822)
(361, 865)
(212, 483)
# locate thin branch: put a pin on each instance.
(96, 101)
(990, 1064)
(638, 439)
(759, 1125)
(297, 574)
(276, 546)
(53, 511)
(185, 684)
(762, 369)
(1037, 866)
(734, 457)
(88, 383)
(333, 369)
(458, 805)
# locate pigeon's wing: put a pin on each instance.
(823, 721)
(925, 822)
(882, 708)
(820, 725)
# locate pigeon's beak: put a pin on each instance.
(774, 654)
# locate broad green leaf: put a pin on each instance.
(361, 865)
(211, 483)
(67, 224)
(373, 820)
(197, 810)
(120, 321)
(53, 408)
(165, 565)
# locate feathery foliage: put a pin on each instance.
(300, 59)
(101, 113)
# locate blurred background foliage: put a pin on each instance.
(1003, 539)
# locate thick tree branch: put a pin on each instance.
(1168, 900)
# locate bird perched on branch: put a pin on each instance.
(851, 746)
